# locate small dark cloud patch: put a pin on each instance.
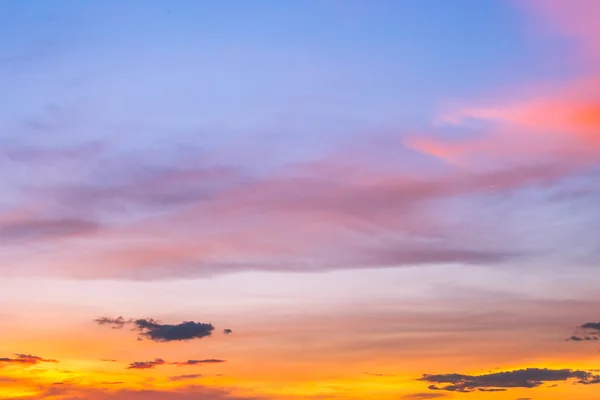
(199, 362)
(423, 396)
(593, 326)
(184, 331)
(591, 381)
(500, 381)
(27, 359)
(227, 331)
(576, 338)
(112, 383)
(590, 331)
(154, 330)
(146, 364)
(184, 377)
(115, 323)
(159, 361)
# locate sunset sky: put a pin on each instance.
(299, 199)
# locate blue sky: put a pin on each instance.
(342, 183)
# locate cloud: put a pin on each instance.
(44, 155)
(29, 229)
(589, 331)
(227, 331)
(157, 214)
(377, 219)
(199, 362)
(186, 330)
(556, 121)
(423, 396)
(575, 338)
(500, 381)
(27, 359)
(186, 393)
(146, 364)
(157, 332)
(594, 326)
(178, 378)
(159, 361)
(117, 323)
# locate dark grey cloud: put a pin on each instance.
(227, 331)
(594, 326)
(154, 330)
(576, 338)
(590, 331)
(500, 381)
(178, 378)
(199, 362)
(146, 364)
(186, 330)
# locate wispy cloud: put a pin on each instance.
(423, 396)
(26, 359)
(178, 378)
(146, 364)
(198, 362)
(116, 323)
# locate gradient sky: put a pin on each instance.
(260, 199)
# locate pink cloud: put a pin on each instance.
(557, 123)
(336, 212)
(310, 224)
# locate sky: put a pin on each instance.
(319, 199)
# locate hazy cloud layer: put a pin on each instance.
(73, 392)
